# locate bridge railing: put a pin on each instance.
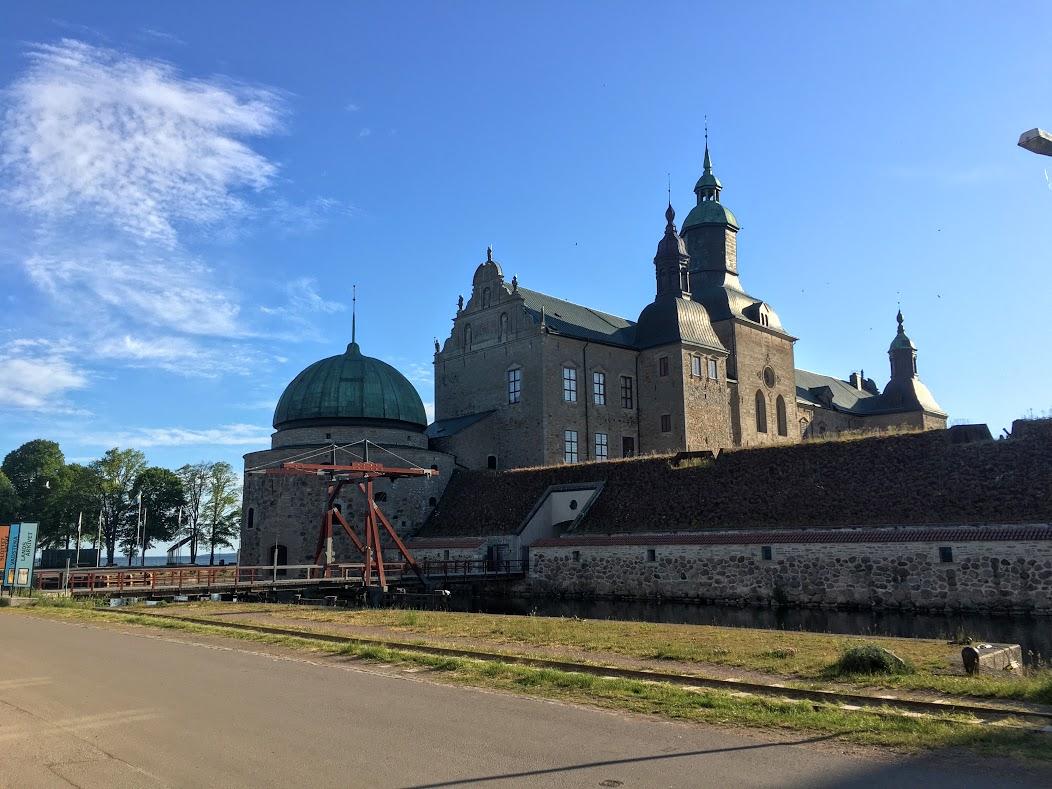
(203, 578)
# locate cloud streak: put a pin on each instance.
(92, 132)
(238, 434)
(36, 375)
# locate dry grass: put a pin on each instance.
(797, 656)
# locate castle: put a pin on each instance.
(526, 379)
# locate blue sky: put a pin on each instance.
(189, 190)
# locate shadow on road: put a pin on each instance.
(613, 762)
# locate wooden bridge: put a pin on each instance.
(232, 578)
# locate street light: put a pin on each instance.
(1036, 141)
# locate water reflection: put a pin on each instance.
(1034, 634)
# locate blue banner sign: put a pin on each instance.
(25, 555)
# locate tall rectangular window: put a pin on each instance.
(695, 366)
(666, 423)
(570, 384)
(569, 446)
(712, 369)
(626, 391)
(514, 385)
(663, 366)
(602, 446)
(599, 388)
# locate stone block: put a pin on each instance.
(993, 659)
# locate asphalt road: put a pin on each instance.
(92, 706)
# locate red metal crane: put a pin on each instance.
(362, 475)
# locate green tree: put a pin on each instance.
(74, 496)
(33, 469)
(195, 487)
(9, 505)
(162, 498)
(117, 471)
(222, 511)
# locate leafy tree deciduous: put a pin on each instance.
(33, 469)
(195, 487)
(117, 471)
(8, 500)
(222, 513)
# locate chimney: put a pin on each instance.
(856, 381)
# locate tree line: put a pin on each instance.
(199, 503)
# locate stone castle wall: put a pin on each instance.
(981, 576)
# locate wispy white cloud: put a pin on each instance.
(131, 142)
(177, 294)
(429, 412)
(160, 35)
(365, 132)
(180, 355)
(352, 107)
(224, 435)
(36, 375)
(298, 218)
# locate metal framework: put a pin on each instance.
(362, 475)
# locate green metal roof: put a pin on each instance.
(347, 389)
(574, 320)
(709, 212)
(671, 319)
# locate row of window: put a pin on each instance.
(514, 380)
(761, 414)
(600, 447)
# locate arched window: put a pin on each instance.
(761, 413)
(503, 333)
(467, 337)
(783, 426)
(485, 297)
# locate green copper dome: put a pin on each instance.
(709, 212)
(350, 389)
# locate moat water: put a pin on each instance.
(1034, 634)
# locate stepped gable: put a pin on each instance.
(908, 480)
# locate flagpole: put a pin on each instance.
(80, 518)
(144, 538)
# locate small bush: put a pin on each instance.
(869, 659)
(782, 653)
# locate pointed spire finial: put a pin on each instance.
(670, 216)
(899, 319)
(354, 313)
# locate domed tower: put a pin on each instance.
(710, 228)
(761, 364)
(682, 363)
(349, 397)
(905, 391)
(325, 415)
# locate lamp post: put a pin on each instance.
(1036, 141)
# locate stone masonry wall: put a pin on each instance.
(983, 576)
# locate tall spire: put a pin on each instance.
(708, 186)
(354, 314)
(707, 164)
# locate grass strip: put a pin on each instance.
(870, 726)
(802, 657)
